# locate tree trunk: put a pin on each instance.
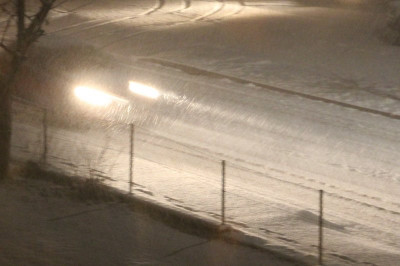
(5, 132)
(6, 115)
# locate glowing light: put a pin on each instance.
(93, 96)
(143, 90)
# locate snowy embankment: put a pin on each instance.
(42, 225)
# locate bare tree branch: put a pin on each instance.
(6, 27)
(26, 34)
(34, 31)
(7, 49)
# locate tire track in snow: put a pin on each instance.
(159, 4)
(218, 7)
(77, 25)
(239, 9)
(187, 4)
(69, 11)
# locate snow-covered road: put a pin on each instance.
(280, 148)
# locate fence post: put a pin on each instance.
(223, 193)
(131, 156)
(45, 126)
(321, 226)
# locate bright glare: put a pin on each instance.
(93, 96)
(143, 90)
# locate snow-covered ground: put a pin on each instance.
(306, 97)
(40, 225)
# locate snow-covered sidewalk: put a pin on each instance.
(41, 225)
